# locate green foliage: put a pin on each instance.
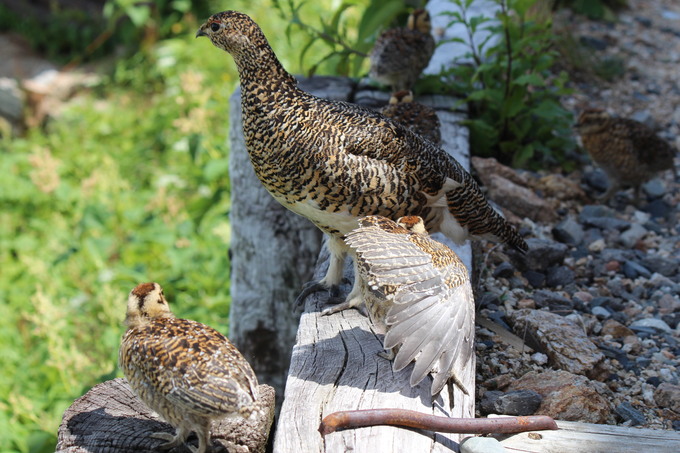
(128, 184)
(66, 33)
(60, 34)
(514, 98)
(597, 9)
(343, 36)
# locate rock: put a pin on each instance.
(593, 43)
(668, 396)
(485, 167)
(539, 358)
(522, 201)
(543, 254)
(498, 382)
(597, 245)
(597, 179)
(654, 189)
(518, 402)
(632, 235)
(535, 279)
(504, 270)
(567, 396)
(628, 413)
(553, 301)
(557, 186)
(668, 304)
(631, 269)
(615, 329)
(607, 223)
(11, 101)
(562, 340)
(559, 276)
(658, 264)
(481, 445)
(658, 209)
(568, 232)
(600, 312)
(655, 324)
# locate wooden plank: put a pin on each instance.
(574, 437)
(335, 364)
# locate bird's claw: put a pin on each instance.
(316, 286)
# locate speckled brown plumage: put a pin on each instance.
(187, 372)
(399, 55)
(629, 152)
(334, 162)
(419, 118)
(417, 291)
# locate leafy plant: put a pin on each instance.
(346, 34)
(506, 78)
(596, 9)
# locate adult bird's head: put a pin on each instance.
(232, 31)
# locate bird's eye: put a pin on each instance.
(214, 26)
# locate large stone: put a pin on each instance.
(668, 396)
(562, 340)
(520, 200)
(543, 253)
(568, 396)
(568, 232)
(518, 402)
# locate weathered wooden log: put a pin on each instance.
(111, 418)
(575, 437)
(273, 254)
(335, 363)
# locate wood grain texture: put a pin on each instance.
(574, 437)
(335, 364)
(111, 418)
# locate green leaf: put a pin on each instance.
(529, 79)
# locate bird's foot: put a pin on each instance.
(341, 304)
(314, 287)
(387, 354)
(171, 440)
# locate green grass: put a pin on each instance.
(129, 183)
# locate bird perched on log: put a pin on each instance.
(399, 55)
(187, 372)
(417, 292)
(334, 162)
(629, 152)
(420, 118)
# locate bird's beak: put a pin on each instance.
(200, 31)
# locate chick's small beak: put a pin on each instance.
(200, 31)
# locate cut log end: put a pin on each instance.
(111, 418)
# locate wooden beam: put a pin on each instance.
(574, 437)
(335, 363)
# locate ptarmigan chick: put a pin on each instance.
(335, 162)
(629, 152)
(419, 118)
(187, 372)
(417, 291)
(399, 55)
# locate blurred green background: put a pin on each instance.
(127, 183)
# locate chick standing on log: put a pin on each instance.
(187, 372)
(420, 118)
(417, 292)
(629, 152)
(399, 55)
(334, 162)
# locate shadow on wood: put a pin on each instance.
(111, 418)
